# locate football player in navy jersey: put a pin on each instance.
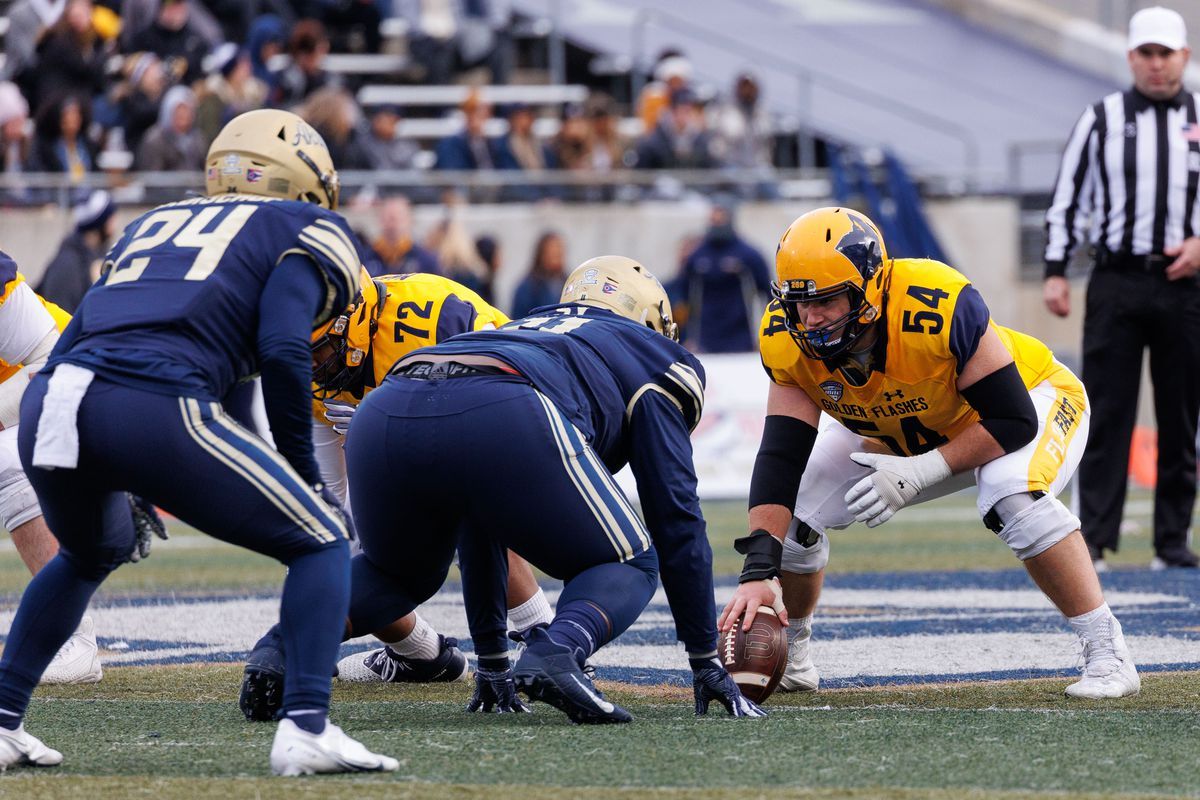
(570, 394)
(194, 297)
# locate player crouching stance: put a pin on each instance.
(196, 296)
(931, 396)
(508, 439)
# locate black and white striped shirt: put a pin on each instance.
(1128, 178)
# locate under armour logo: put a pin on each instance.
(899, 484)
(889, 396)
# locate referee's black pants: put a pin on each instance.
(1128, 311)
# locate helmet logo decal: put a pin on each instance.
(860, 246)
(308, 136)
(253, 175)
(232, 165)
(609, 288)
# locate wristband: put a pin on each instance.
(763, 553)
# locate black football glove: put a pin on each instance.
(146, 525)
(496, 693)
(710, 681)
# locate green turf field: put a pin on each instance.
(174, 732)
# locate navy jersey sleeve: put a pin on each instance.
(457, 316)
(661, 460)
(968, 326)
(293, 291)
(333, 247)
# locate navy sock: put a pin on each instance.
(598, 604)
(49, 613)
(316, 596)
(10, 720)
(309, 719)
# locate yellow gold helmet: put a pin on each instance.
(821, 255)
(622, 285)
(271, 153)
(341, 350)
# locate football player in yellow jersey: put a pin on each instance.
(922, 395)
(29, 329)
(394, 315)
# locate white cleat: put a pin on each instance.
(801, 674)
(78, 661)
(20, 748)
(1108, 669)
(298, 752)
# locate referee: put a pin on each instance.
(1128, 180)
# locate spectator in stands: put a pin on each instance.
(489, 252)
(571, 146)
(334, 114)
(266, 39)
(457, 255)
(28, 22)
(76, 265)
(15, 149)
(308, 46)
(722, 287)
(672, 73)
(432, 36)
(138, 96)
(395, 246)
(353, 24)
(175, 39)
(681, 140)
(607, 147)
(173, 143)
(70, 57)
(230, 89)
(62, 145)
(521, 148)
(543, 284)
(742, 127)
(470, 148)
(382, 146)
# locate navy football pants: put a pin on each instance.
(188, 457)
(492, 459)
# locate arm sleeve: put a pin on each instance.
(1071, 204)
(968, 326)
(331, 460)
(294, 292)
(24, 323)
(666, 481)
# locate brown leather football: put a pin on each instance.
(756, 658)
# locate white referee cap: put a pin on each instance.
(1157, 25)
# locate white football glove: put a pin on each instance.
(339, 415)
(893, 483)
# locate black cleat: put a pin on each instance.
(261, 697)
(547, 671)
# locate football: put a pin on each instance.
(756, 658)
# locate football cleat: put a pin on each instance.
(801, 674)
(20, 748)
(548, 671)
(1108, 669)
(385, 664)
(261, 697)
(298, 752)
(78, 660)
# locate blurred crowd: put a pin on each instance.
(144, 85)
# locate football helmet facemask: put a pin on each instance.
(822, 254)
(342, 348)
(271, 153)
(624, 286)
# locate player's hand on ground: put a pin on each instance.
(892, 484)
(146, 525)
(339, 415)
(496, 693)
(752, 595)
(711, 681)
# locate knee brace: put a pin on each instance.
(1031, 525)
(18, 502)
(800, 557)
